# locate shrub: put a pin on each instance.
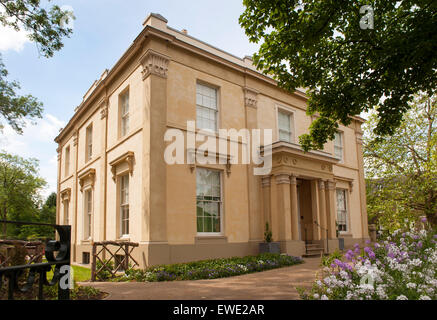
(213, 268)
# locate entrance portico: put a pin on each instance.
(299, 198)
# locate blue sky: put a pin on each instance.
(103, 30)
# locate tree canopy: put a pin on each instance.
(20, 186)
(401, 170)
(46, 28)
(347, 69)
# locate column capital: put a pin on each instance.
(293, 179)
(330, 185)
(265, 182)
(104, 108)
(282, 178)
(154, 63)
(75, 137)
(321, 184)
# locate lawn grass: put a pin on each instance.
(80, 274)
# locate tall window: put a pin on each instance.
(88, 206)
(207, 110)
(209, 202)
(285, 126)
(124, 204)
(89, 142)
(341, 210)
(66, 213)
(338, 145)
(67, 161)
(124, 114)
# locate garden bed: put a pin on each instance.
(211, 269)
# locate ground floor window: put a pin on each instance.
(342, 210)
(124, 204)
(88, 199)
(209, 201)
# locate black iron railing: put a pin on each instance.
(57, 253)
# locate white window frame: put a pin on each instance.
(67, 161)
(216, 110)
(292, 115)
(89, 142)
(346, 205)
(66, 212)
(88, 215)
(221, 205)
(124, 116)
(122, 206)
(339, 147)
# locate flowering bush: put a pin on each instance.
(212, 269)
(401, 267)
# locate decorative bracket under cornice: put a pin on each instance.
(90, 175)
(128, 158)
(154, 63)
(250, 97)
(66, 194)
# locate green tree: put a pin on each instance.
(320, 45)
(46, 214)
(46, 28)
(401, 170)
(20, 187)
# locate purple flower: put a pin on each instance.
(377, 245)
(424, 219)
(367, 241)
(419, 244)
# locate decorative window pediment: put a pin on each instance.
(125, 159)
(66, 194)
(87, 178)
(218, 158)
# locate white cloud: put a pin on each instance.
(11, 39)
(37, 141)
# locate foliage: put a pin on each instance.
(327, 260)
(319, 45)
(212, 269)
(46, 28)
(401, 170)
(104, 274)
(268, 234)
(20, 185)
(401, 267)
(47, 214)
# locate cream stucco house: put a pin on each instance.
(114, 184)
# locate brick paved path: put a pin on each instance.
(273, 284)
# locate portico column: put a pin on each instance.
(284, 206)
(322, 208)
(294, 209)
(265, 182)
(331, 208)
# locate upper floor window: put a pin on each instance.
(124, 113)
(67, 161)
(124, 204)
(285, 126)
(207, 107)
(209, 201)
(338, 145)
(342, 210)
(89, 142)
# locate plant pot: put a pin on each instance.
(269, 247)
(341, 243)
